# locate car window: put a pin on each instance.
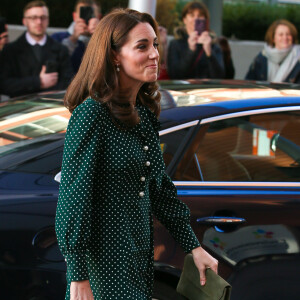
(172, 143)
(32, 135)
(263, 147)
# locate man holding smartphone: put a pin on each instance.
(86, 16)
(34, 62)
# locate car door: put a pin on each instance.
(240, 178)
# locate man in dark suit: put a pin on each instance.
(34, 62)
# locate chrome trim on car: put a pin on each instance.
(178, 127)
(248, 113)
(57, 177)
(236, 183)
(227, 116)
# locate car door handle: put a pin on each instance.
(217, 221)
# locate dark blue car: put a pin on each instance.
(231, 148)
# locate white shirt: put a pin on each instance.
(33, 42)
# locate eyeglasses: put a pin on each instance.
(35, 18)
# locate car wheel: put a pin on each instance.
(267, 280)
(163, 291)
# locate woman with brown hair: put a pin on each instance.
(113, 177)
(279, 60)
(194, 53)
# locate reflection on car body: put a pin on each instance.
(251, 241)
(233, 151)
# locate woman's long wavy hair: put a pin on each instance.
(97, 76)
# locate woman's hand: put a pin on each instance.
(81, 290)
(193, 40)
(204, 260)
(205, 39)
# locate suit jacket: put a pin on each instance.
(258, 70)
(20, 69)
(113, 182)
(77, 55)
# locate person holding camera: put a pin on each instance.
(279, 61)
(86, 16)
(194, 54)
(34, 62)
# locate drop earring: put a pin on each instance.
(118, 69)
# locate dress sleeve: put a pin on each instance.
(172, 213)
(79, 166)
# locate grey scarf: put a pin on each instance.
(281, 62)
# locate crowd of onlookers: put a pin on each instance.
(38, 62)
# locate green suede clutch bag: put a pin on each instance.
(215, 288)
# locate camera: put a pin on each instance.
(200, 26)
(86, 13)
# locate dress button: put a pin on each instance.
(147, 163)
(146, 148)
(141, 194)
(143, 178)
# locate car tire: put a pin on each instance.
(267, 280)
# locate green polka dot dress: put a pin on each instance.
(113, 182)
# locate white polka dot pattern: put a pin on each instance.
(113, 181)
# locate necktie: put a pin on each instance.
(37, 49)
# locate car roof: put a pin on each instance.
(198, 99)
(188, 100)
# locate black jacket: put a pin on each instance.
(20, 69)
(259, 70)
(182, 61)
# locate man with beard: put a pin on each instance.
(34, 62)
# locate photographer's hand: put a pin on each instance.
(206, 40)
(80, 28)
(93, 22)
(192, 40)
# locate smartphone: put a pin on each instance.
(200, 26)
(86, 13)
(2, 25)
(51, 66)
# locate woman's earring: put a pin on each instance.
(118, 69)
